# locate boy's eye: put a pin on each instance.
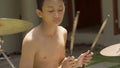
(60, 10)
(51, 11)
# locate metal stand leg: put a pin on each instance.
(1, 51)
(7, 59)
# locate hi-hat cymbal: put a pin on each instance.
(12, 26)
(113, 50)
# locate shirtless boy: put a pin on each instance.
(44, 45)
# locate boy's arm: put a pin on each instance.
(27, 56)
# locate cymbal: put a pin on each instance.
(113, 50)
(12, 26)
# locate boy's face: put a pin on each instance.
(52, 11)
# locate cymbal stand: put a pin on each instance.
(2, 51)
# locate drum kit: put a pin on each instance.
(113, 50)
(11, 26)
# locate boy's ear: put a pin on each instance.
(39, 13)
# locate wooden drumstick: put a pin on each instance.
(73, 31)
(98, 35)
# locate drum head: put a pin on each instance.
(113, 50)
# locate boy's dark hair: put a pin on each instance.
(40, 4)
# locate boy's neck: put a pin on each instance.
(48, 30)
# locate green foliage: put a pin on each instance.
(97, 58)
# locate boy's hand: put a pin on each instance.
(69, 62)
(84, 59)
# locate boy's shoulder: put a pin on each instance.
(61, 28)
(29, 35)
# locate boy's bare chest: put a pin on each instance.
(48, 47)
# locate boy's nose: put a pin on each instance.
(56, 15)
